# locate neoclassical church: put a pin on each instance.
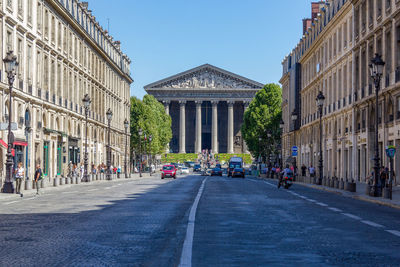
(206, 105)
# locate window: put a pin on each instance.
(29, 64)
(398, 107)
(39, 17)
(53, 29)
(388, 4)
(46, 23)
(20, 8)
(378, 8)
(9, 41)
(30, 11)
(59, 29)
(39, 68)
(345, 35)
(20, 57)
(370, 12)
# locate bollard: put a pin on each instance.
(341, 184)
(56, 181)
(337, 183)
(387, 193)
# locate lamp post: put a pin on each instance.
(259, 154)
(281, 126)
(294, 119)
(11, 64)
(126, 124)
(320, 103)
(140, 151)
(150, 159)
(376, 69)
(86, 103)
(109, 115)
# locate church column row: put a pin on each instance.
(198, 126)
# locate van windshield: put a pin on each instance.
(233, 165)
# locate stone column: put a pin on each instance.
(166, 106)
(198, 127)
(245, 106)
(182, 130)
(230, 126)
(214, 129)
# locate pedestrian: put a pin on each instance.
(311, 170)
(119, 170)
(81, 171)
(383, 177)
(38, 178)
(19, 177)
(303, 170)
(273, 171)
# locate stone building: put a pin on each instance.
(63, 54)
(333, 57)
(206, 105)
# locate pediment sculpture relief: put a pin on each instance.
(207, 79)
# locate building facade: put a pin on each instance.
(333, 57)
(206, 105)
(63, 54)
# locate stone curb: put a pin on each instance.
(375, 201)
(344, 194)
(51, 188)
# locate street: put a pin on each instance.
(238, 222)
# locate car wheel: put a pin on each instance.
(175, 177)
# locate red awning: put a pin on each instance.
(20, 143)
(6, 146)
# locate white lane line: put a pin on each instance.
(107, 188)
(90, 190)
(321, 204)
(29, 198)
(8, 203)
(270, 184)
(118, 184)
(351, 216)
(372, 224)
(69, 192)
(186, 256)
(335, 209)
(311, 200)
(394, 232)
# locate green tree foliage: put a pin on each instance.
(149, 115)
(263, 116)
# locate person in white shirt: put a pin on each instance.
(19, 176)
(311, 171)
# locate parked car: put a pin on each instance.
(184, 170)
(168, 171)
(216, 171)
(189, 164)
(238, 172)
(196, 168)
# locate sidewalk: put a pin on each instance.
(51, 188)
(360, 194)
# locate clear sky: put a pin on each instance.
(165, 37)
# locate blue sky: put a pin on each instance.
(165, 37)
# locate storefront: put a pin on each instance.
(73, 150)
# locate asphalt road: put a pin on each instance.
(238, 222)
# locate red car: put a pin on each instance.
(168, 171)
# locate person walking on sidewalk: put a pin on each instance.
(383, 176)
(311, 170)
(303, 170)
(19, 177)
(38, 177)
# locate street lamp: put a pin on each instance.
(376, 69)
(11, 64)
(294, 119)
(150, 159)
(320, 103)
(140, 151)
(86, 103)
(281, 126)
(126, 124)
(109, 115)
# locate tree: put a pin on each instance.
(149, 115)
(262, 117)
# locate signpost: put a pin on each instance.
(294, 151)
(390, 152)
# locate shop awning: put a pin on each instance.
(6, 146)
(20, 143)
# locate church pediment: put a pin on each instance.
(205, 77)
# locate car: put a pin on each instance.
(218, 166)
(197, 168)
(189, 164)
(234, 162)
(238, 172)
(184, 170)
(168, 171)
(216, 171)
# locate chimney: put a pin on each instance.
(117, 44)
(306, 25)
(85, 5)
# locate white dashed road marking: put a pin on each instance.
(335, 209)
(186, 256)
(90, 190)
(351, 216)
(394, 232)
(372, 224)
(321, 204)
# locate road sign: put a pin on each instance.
(4, 126)
(294, 149)
(390, 151)
(294, 154)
